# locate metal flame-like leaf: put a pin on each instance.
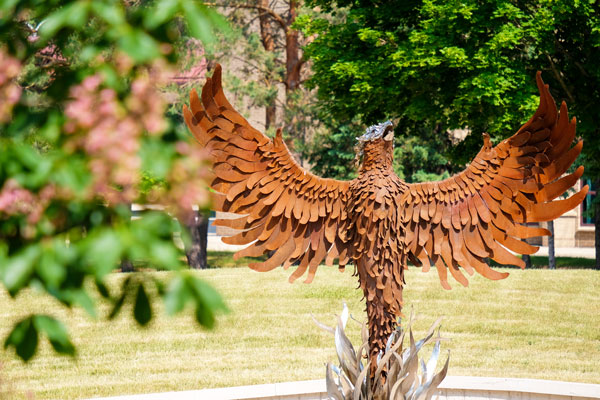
(400, 373)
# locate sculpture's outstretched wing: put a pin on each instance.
(288, 210)
(484, 210)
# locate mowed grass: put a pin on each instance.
(536, 324)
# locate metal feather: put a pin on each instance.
(402, 377)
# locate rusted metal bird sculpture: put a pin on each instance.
(377, 221)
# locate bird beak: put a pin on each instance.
(389, 134)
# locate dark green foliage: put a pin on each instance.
(142, 311)
(332, 153)
(56, 332)
(24, 336)
(439, 65)
(186, 287)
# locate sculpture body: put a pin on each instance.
(377, 221)
(376, 233)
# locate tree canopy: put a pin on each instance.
(456, 64)
(436, 65)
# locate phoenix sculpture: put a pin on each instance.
(378, 222)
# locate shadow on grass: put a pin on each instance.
(541, 262)
(224, 259)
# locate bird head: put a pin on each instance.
(383, 130)
(376, 146)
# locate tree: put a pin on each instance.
(195, 252)
(83, 127)
(194, 222)
(271, 59)
(551, 258)
(444, 65)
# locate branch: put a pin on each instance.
(559, 78)
(278, 18)
(249, 64)
(574, 61)
(51, 61)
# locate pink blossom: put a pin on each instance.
(91, 83)
(187, 180)
(104, 129)
(109, 130)
(15, 200)
(10, 91)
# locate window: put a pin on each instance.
(212, 230)
(586, 206)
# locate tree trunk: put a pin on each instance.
(266, 36)
(197, 226)
(527, 258)
(596, 208)
(527, 261)
(127, 266)
(551, 258)
(292, 52)
(270, 116)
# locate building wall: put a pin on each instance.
(569, 230)
(225, 230)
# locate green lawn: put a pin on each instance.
(224, 259)
(537, 323)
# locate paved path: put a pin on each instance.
(215, 244)
(581, 252)
(471, 387)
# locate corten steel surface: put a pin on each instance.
(377, 221)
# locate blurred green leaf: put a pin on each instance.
(34, 169)
(72, 173)
(161, 12)
(139, 46)
(207, 294)
(204, 316)
(117, 306)
(157, 157)
(111, 13)
(90, 52)
(103, 250)
(197, 21)
(24, 338)
(121, 299)
(52, 129)
(177, 295)
(208, 301)
(8, 4)
(142, 310)
(84, 300)
(74, 15)
(102, 289)
(50, 269)
(19, 268)
(56, 332)
(165, 254)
